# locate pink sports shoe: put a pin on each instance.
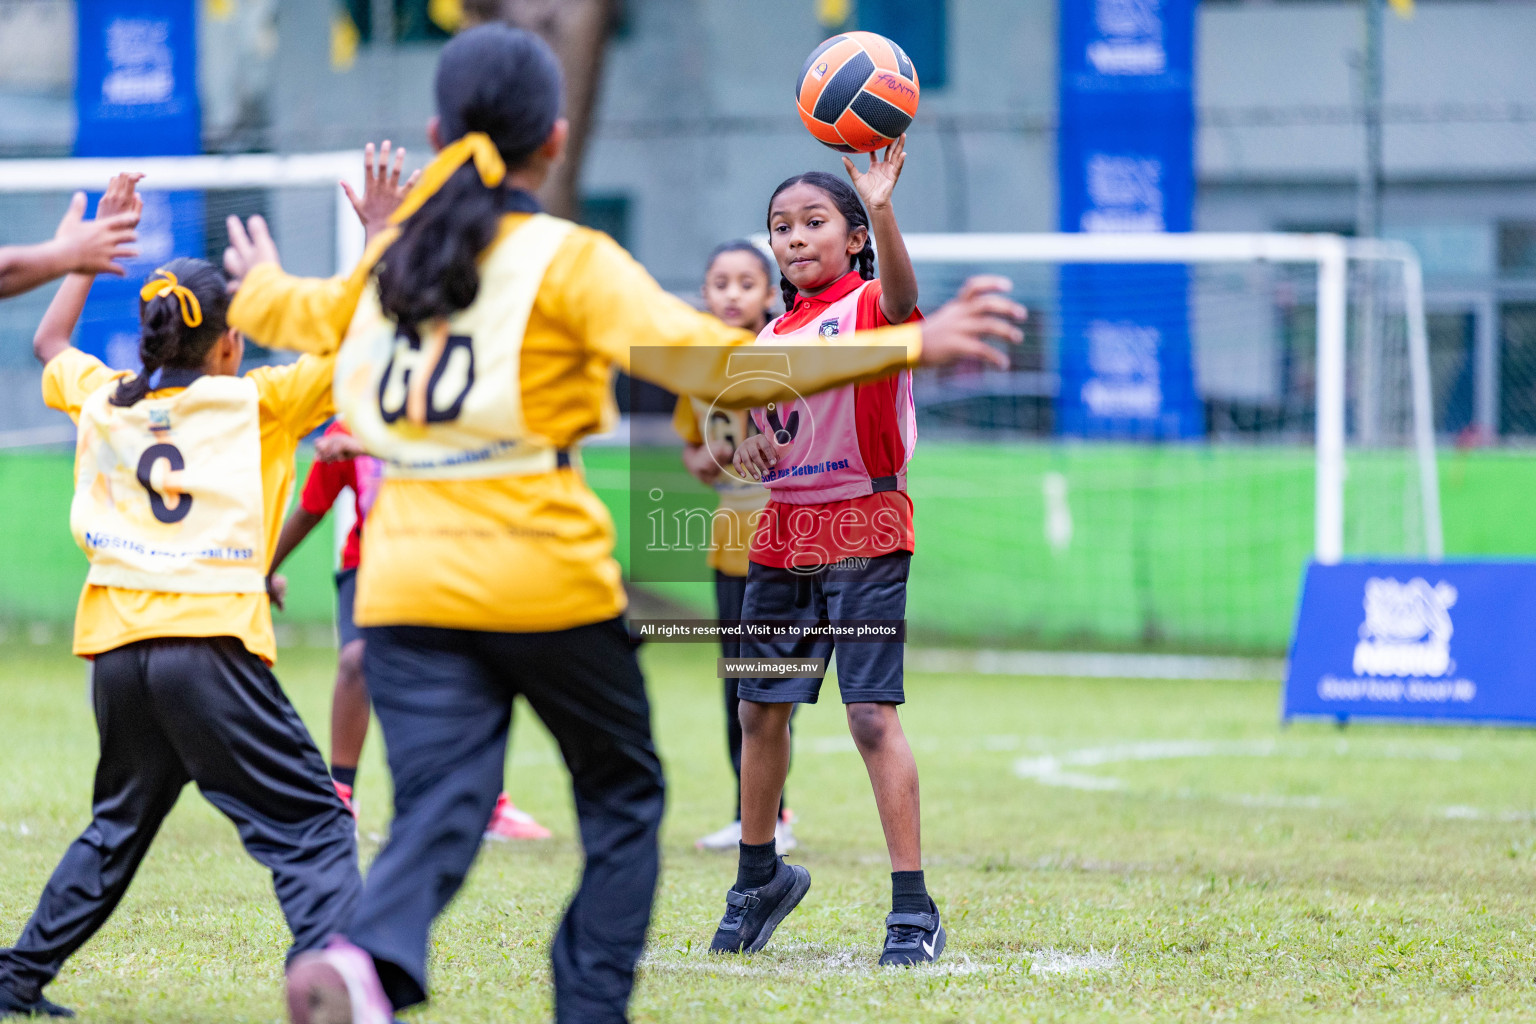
(336, 985)
(507, 823)
(345, 792)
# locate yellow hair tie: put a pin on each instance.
(476, 146)
(191, 309)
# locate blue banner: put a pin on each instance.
(136, 95)
(1409, 640)
(136, 84)
(1125, 155)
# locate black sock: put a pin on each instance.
(758, 863)
(344, 775)
(908, 893)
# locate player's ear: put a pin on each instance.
(858, 238)
(434, 133)
(554, 146)
(232, 348)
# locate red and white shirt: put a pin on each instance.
(866, 431)
(326, 482)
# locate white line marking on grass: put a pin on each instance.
(1056, 961)
(800, 959)
(1079, 665)
(1051, 770)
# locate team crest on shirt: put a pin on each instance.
(159, 420)
(828, 329)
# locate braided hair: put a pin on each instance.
(165, 340)
(847, 202)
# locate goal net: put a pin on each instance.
(1175, 440)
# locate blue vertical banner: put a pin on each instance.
(1125, 153)
(136, 95)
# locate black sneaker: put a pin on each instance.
(12, 1005)
(913, 939)
(751, 916)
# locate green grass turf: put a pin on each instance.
(1206, 863)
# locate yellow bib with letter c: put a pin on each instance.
(168, 491)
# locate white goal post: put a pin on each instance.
(1332, 255)
(244, 170)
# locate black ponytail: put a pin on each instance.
(433, 269)
(494, 79)
(847, 202)
(165, 340)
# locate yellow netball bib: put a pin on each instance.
(730, 426)
(443, 401)
(168, 491)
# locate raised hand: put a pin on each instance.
(94, 246)
(982, 310)
(876, 184)
(121, 196)
(247, 249)
(382, 190)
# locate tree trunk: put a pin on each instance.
(578, 32)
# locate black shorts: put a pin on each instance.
(856, 590)
(346, 594)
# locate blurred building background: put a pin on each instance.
(695, 125)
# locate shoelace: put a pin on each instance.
(904, 935)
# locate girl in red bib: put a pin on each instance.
(833, 548)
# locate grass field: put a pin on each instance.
(1102, 851)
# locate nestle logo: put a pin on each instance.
(896, 83)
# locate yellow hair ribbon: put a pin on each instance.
(476, 146)
(191, 309)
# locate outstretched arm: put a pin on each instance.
(78, 246)
(58, 323)
(609, 300)
(298, 526)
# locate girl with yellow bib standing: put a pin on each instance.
(181, 475)
(482, 355)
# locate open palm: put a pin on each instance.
(876, 184)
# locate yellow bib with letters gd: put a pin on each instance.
(168, 490)
(444, 401)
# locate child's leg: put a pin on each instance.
(729, 592)
(764, 767)
(252, 758)
(138, 779)
(349, 700)
(585, 685)
(877, 732)
(349, 713)
(444, 713)
(870, 676)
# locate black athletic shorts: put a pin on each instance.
(854, 590)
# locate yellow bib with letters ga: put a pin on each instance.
(168, 490)
(443, 401)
